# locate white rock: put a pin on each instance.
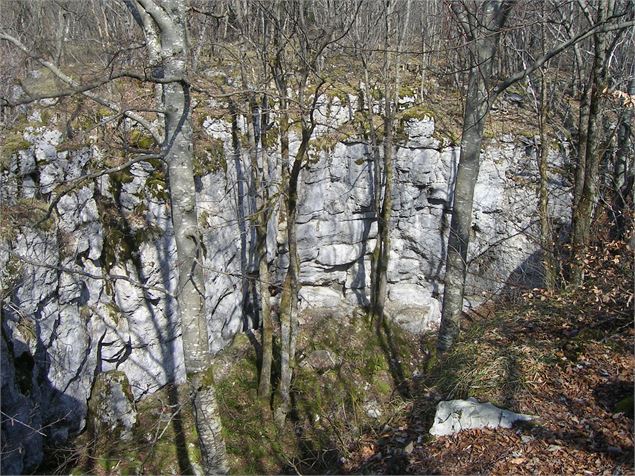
(316, 296)
(333, 255)
(372, 409)
(453, 416)
(415, 319)
(409, 294)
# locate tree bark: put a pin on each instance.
(290, 288)
(169, 24)
(258, 170)
(476, 109)
(286, 219)
(583, 126)
(381, 253)
(623, 169)
(584, 208)
(546, 238)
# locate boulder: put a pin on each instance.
(453, 416)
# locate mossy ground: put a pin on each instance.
(329, 404)
(163, 442)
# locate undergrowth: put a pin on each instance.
(335, 399)
(512, 350)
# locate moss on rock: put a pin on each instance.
(209, 157)
(12, 143)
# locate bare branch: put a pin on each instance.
(73, 184)
(70, 81)
(15, 420)
(518, 76)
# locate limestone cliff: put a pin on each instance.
(73, 308)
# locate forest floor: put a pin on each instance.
(566, 358)
(582, 399)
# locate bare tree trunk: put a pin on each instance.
(583, 129)
(546, 238)
(623, 169)
(382, 248)
(476, 110)
(164, 24)
(287, 219)
(310, 60)
(584, 208)
(381, 253)
(290, 288)
(60, 37)
(259, 170)
(377, 191)
(623, 161)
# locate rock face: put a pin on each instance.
(92, 292)
(111, 410)
(456, 415)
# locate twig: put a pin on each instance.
(13, 419)
(65, 269)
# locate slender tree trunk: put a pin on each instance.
(476, 109)
(584, 208)
(164, 24)
(583, 129)
(242, 222)
(264, 384)
(623, 169)
(380, 255)
(546, 238)
(60, 37)
(285, 220)
(259, 170)
(290, 288)
(377, 192)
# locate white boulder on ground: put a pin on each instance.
(453, 416)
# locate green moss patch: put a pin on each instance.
(330, 401)
(141, 140)
(11, 145)
(209, 157)
(164, 441)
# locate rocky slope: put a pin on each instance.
(72, 307)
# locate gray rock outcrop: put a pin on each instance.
(92, 292)
(111, 410)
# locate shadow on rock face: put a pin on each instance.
(35, 415)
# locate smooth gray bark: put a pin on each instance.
(164, 25)
(484, 30)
